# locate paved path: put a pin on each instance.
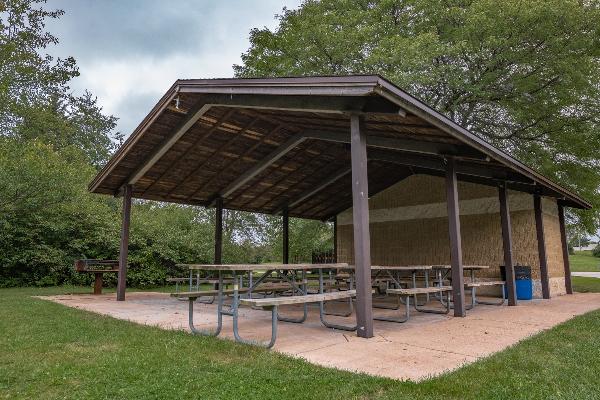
(587, 274)
(425, 346)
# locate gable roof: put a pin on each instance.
(268, 143)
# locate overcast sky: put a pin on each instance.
(129, 52)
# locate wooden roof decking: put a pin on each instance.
(266, 144)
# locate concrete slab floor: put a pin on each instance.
(414, 350)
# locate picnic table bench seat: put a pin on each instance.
(215, 292)
(419, 290)
(469, 285)
(309, 298)
(407, 293)
(477, 284)
(227, 281)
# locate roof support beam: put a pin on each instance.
(193, 115)
(398, 144)
(509, 266)
(360, 219)
(314, 103)
(312, 191)
(124, 247)
(539, 230)
(218, 255)
(437, 164)
(285, 220)
(456, 261)
(275, 155)
(565, 248)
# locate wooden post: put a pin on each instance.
(458, 288)
(509, 267)
(286, 236)
(219, 231)
(565, 248)
(335, 245)
(360, 219)
(126, 217)
(98, 283)
(539, 228)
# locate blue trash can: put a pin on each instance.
(523, 282)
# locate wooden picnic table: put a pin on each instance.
(264, 267)
(298, 289)
(465, 267)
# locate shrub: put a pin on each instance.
(596, 251)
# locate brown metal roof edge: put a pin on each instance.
(164, 101)
(287, 80)
(417, 107)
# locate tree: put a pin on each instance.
(524, 75)
(35, 99)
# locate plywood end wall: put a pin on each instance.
(409, 225)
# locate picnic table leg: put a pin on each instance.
(250, 286)
(98, 283)
(414, 282)
(446, 305)
(400, 320)
(304, 291)
(489, 303)
(322, 310)
(473, 295)
(235, 314)
(220, 312)
(350, 302)
(427, 284)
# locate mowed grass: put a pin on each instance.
(51, 351)
(584, 261)
(585, 285)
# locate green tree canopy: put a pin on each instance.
(35, 98)
(524, 75)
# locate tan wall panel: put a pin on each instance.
(398, 239)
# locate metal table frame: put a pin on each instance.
(238, 271)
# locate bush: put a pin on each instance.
(571, 249)
(596, 251)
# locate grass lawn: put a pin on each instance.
(584, 261)
(585, 284)
(51, 351)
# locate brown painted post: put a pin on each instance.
(98, 283)
(219, 231)
(458, 288)
(335, 245)
(565, 248)
(539, 228)
(126, 217)
(360, 219)
(286, 236)
(509, 267)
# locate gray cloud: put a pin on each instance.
(130, 51)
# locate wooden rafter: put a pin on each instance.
(312, 191)
(245, 154)
(297, 157)
(275, 155)
(199, 140)
(236, 136)
(199, 109)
